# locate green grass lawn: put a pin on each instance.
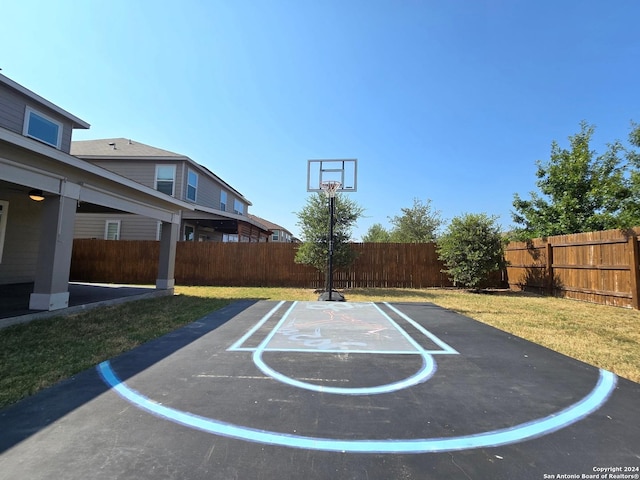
(36, 355)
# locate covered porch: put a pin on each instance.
(38, 232)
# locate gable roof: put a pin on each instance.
(120, 147)
(270, 225)
(125, 148)
(76, 122)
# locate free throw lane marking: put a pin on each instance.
(342, 328)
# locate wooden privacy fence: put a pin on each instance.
(598, 267)
(393, 265)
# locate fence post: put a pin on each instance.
(634, 270)
(550, 280)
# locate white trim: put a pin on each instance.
(28, 111)
(173, 186)
(75, 162)
(237, 203)
(106, 229)
(184, 232)
(195, 196)
(3, 224)
(223, 204)
(25, 91)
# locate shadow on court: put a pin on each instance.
(329, 391)
(29, 416)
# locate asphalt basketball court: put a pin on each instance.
(320, 390)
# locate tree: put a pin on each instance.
(313, 221)
(471, 248)
(630, 209)
(377, 234)
(579, 191)
(418, 224)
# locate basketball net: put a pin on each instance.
(330, 188)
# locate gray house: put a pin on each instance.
(218, 211)
(42, 187)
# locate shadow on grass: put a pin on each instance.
(430, 295)
(391, 293)
(32, 414)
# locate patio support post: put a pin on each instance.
(51, 287)
(167, 260)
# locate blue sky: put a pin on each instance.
(450, 100)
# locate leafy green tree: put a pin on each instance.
(418, 224)
(579, 191)
(630, 209)
(313, 221)
(377, 234)
(471, 248)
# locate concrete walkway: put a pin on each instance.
(14, 299)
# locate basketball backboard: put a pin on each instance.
(343, 171)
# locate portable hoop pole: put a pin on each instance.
(331, 213)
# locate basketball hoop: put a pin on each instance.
(330, 188)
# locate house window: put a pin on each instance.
(159, 231)
(165, 178)
(189, 233)
(4, 206)
(192, 185)
(42, 127)
(223, 201)
(238, 207)
(274, 237)
(230, 237)
(112, 230)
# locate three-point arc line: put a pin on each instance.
(525, 431)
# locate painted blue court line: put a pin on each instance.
(424, 373)
(446, 348)
(526, 431)
(402, 331)
(256, 327)
(427, 369)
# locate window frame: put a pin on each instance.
(223, 204)
(193, 233)
(28, 112)
(230, 238)
(118, 224)
(237, 202)
(195, 187)
(173, 185)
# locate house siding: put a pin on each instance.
(144, 172)
(137, 171)
(132, 227)
(12, 107)
(208, 192)
(21, 239)
(12, 110)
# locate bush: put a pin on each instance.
(471, 248)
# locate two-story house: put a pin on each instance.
(278, 232)
(41, 188)
(220, 212)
